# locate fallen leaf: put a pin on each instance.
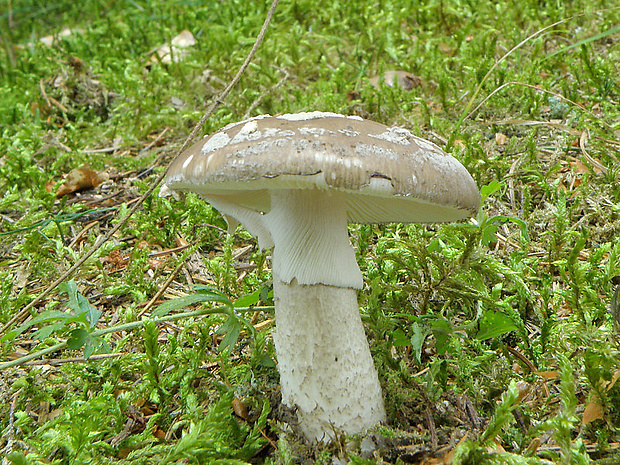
(403, 79)
(54, 38)
(593, 411)
(49, 186)
(579, 167)
(175, 50)
(614, 378)
(501, 139)
(495, 448)
(80, 179)
(353, 95)
(551, 374)
(239, 408)
(524, 389)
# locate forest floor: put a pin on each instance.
(495, 339)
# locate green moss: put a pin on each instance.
(446, 307)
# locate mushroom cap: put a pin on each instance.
(388, 174)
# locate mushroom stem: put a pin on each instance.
(311, 240)
(326, 370)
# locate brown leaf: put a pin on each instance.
(614, 378)
(524, 389)
(501, 139)
(54, 38)
(239, 408)
(593, 411)
(49, 186)
(579, 166)
(81, 178)
(403, 79)
(353, 95)
(174, 51)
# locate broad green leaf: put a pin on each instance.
(204, 294)
(80, 304)
(442, 329)
(400, 339)
(89, 347)
(248, 300)
(45, 316)
(70, 288)
(417, 340)
(267, 361)
(78, 338)
(44, 332)
(214, 295)
(231, 330)
(491, 188)
(92, 313)
(494, 324)
(511, 219)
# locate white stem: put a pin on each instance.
(311, 239)
(326, 370)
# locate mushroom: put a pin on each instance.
(294, 181)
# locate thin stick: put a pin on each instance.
(466, 112)
(23, 313)
(60, 361)
(538, 89)
(162, 289)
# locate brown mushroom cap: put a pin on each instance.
(390, 174)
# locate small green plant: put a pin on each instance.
(78, 323)
(525, 96)
(232, 326)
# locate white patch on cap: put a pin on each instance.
(254, 118)
(198, 169)
(273, 132)
(428, 146)
(249, 131)
(215, 142)
(349, 132)
(394, 135)
(312, 131)
(187, 161)
(209, 158)
(314, 115)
